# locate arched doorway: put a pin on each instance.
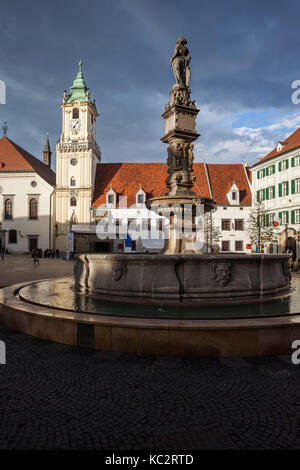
(290, 245)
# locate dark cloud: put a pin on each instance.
(245, 55)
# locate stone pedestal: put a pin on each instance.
(180, 131)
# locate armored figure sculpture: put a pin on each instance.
(180, 62)
(180, 167)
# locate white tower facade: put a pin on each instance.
(77, 156)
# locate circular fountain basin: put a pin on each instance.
(51, 310)
(194, 279)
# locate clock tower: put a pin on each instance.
(77, 156)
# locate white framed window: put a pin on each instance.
(284, 190)
(270, 170)
(261, 195)
(297, 160)
(239, 245)
(271, 192)
(261, 174)
(225, 245)
(271, 219)
(297, 216)
(284, 165)
(284, 218)
(297, 185)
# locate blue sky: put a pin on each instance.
(245, 55)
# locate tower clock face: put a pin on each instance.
(75, 126)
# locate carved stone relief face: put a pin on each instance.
(221, 273)
(118, 271)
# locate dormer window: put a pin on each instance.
(279, 147)
(75, 113)
(233, 195)
(111, 198)
(140, 197)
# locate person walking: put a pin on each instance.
(36, 257)
(2, 253)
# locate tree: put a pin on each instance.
(260, 226)
(212, 233)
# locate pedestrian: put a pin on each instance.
(67, 254)
(52, 254)
(2, 253)
(57, 253)
(36, 257)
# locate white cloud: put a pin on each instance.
(221, 142)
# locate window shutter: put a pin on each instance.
(280, 189)
(287, 188)
(267, 220)
(293, 161)
(287, 164)
(280, 217)
(279, 166)
(273, 168)
(264, 195)
(287, 216)
(267, 193)
(274, 195)
(293, 217)
(264, 172)
(257, 196)
(293, 186)
(258, 174)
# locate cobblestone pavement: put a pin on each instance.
(20, 268)
(54, 396)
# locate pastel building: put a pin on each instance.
(26, 198)
(276, 182)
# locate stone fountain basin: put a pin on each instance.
(183, 279)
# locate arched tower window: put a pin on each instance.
(33, 209)
(8, 209)
(73, 201)
(12, 236)
(73, 181)
(75, 113)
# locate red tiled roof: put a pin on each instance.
(126, 178)
(14, 158)
(223, 176)
(290, 143)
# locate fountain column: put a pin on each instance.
(180, 131)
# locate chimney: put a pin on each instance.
(47, 153)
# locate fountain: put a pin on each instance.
(180, 302)
(181, 274)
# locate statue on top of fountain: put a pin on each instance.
(180, 62)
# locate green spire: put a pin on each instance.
(78, 90)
